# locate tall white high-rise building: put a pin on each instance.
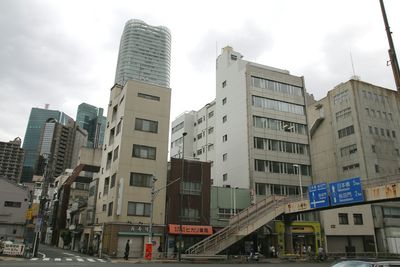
(256, 129)
(144, 54)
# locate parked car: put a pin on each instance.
(353, 263)
(387, 264)
(357, 263)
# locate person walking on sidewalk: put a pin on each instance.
(127, 247)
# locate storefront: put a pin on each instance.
(191, 234)
(297, 236)
(116, 235)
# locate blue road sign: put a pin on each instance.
(318, 194)
(346, 191)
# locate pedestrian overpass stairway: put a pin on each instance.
(267, 209)
(240, 225)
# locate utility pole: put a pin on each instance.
(41, 213)
(181, 198)
(392, 51)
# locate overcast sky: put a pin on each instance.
(65, 52)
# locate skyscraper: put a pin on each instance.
(11, 158)
(144, 54)
(91, 119)
(37, 119)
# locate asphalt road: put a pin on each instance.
(51, 256)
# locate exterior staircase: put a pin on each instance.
(240, 225)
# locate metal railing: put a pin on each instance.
(237, 223)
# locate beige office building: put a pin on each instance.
(354, 132)
(135, 149)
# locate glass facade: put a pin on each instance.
(37, 120)
(92, 120)
(144, 54)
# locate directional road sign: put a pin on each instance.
(318, 194)
(346, 191)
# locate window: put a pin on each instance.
(224, 101)
(376, 168)
(114, 113)
(276, 86)
(190, 215)
(224, 118)
(144, 152)
(343, 218)
(278, 125)
(225, 177)
(348, 150)
(146, 125)
(106, 185)
(210, 130)
(266, 103)
(376, 130)
(110, 209)
(150, 97)
(224, 156)
(224, 138)
(177, 127)
(367, 109)
(138, 209)
(345, 113)
(104, 207)
(12, 204)
(211, 114)
(199, 136)
(358, 219)
(210, 147)
(346, 131)
(190, 188)
(111, 138)
(382, 132)
(373, 148)
(116, 153)
(199, 152)
(351, 166)
(119, 127)
(140, 179)
(394, 134)
(224, 84)
(113, 178)
(199, 121)
(388, 133)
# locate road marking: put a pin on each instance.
(79, 259)
(101, 260)
(68, 259)
(34, 259)
(43, 255)
(57, 259)
(90, 259)
(46, 259)
(69, 254)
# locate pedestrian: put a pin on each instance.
(321, 254)
(309, 251)
(127, 247)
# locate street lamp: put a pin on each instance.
(181, 197)
(300, 183)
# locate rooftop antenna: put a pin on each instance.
(354, 77)
(392, 52)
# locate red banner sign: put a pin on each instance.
(190, 229)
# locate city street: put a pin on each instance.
(51, 256)
(105, 264)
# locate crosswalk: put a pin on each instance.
(69, 259)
